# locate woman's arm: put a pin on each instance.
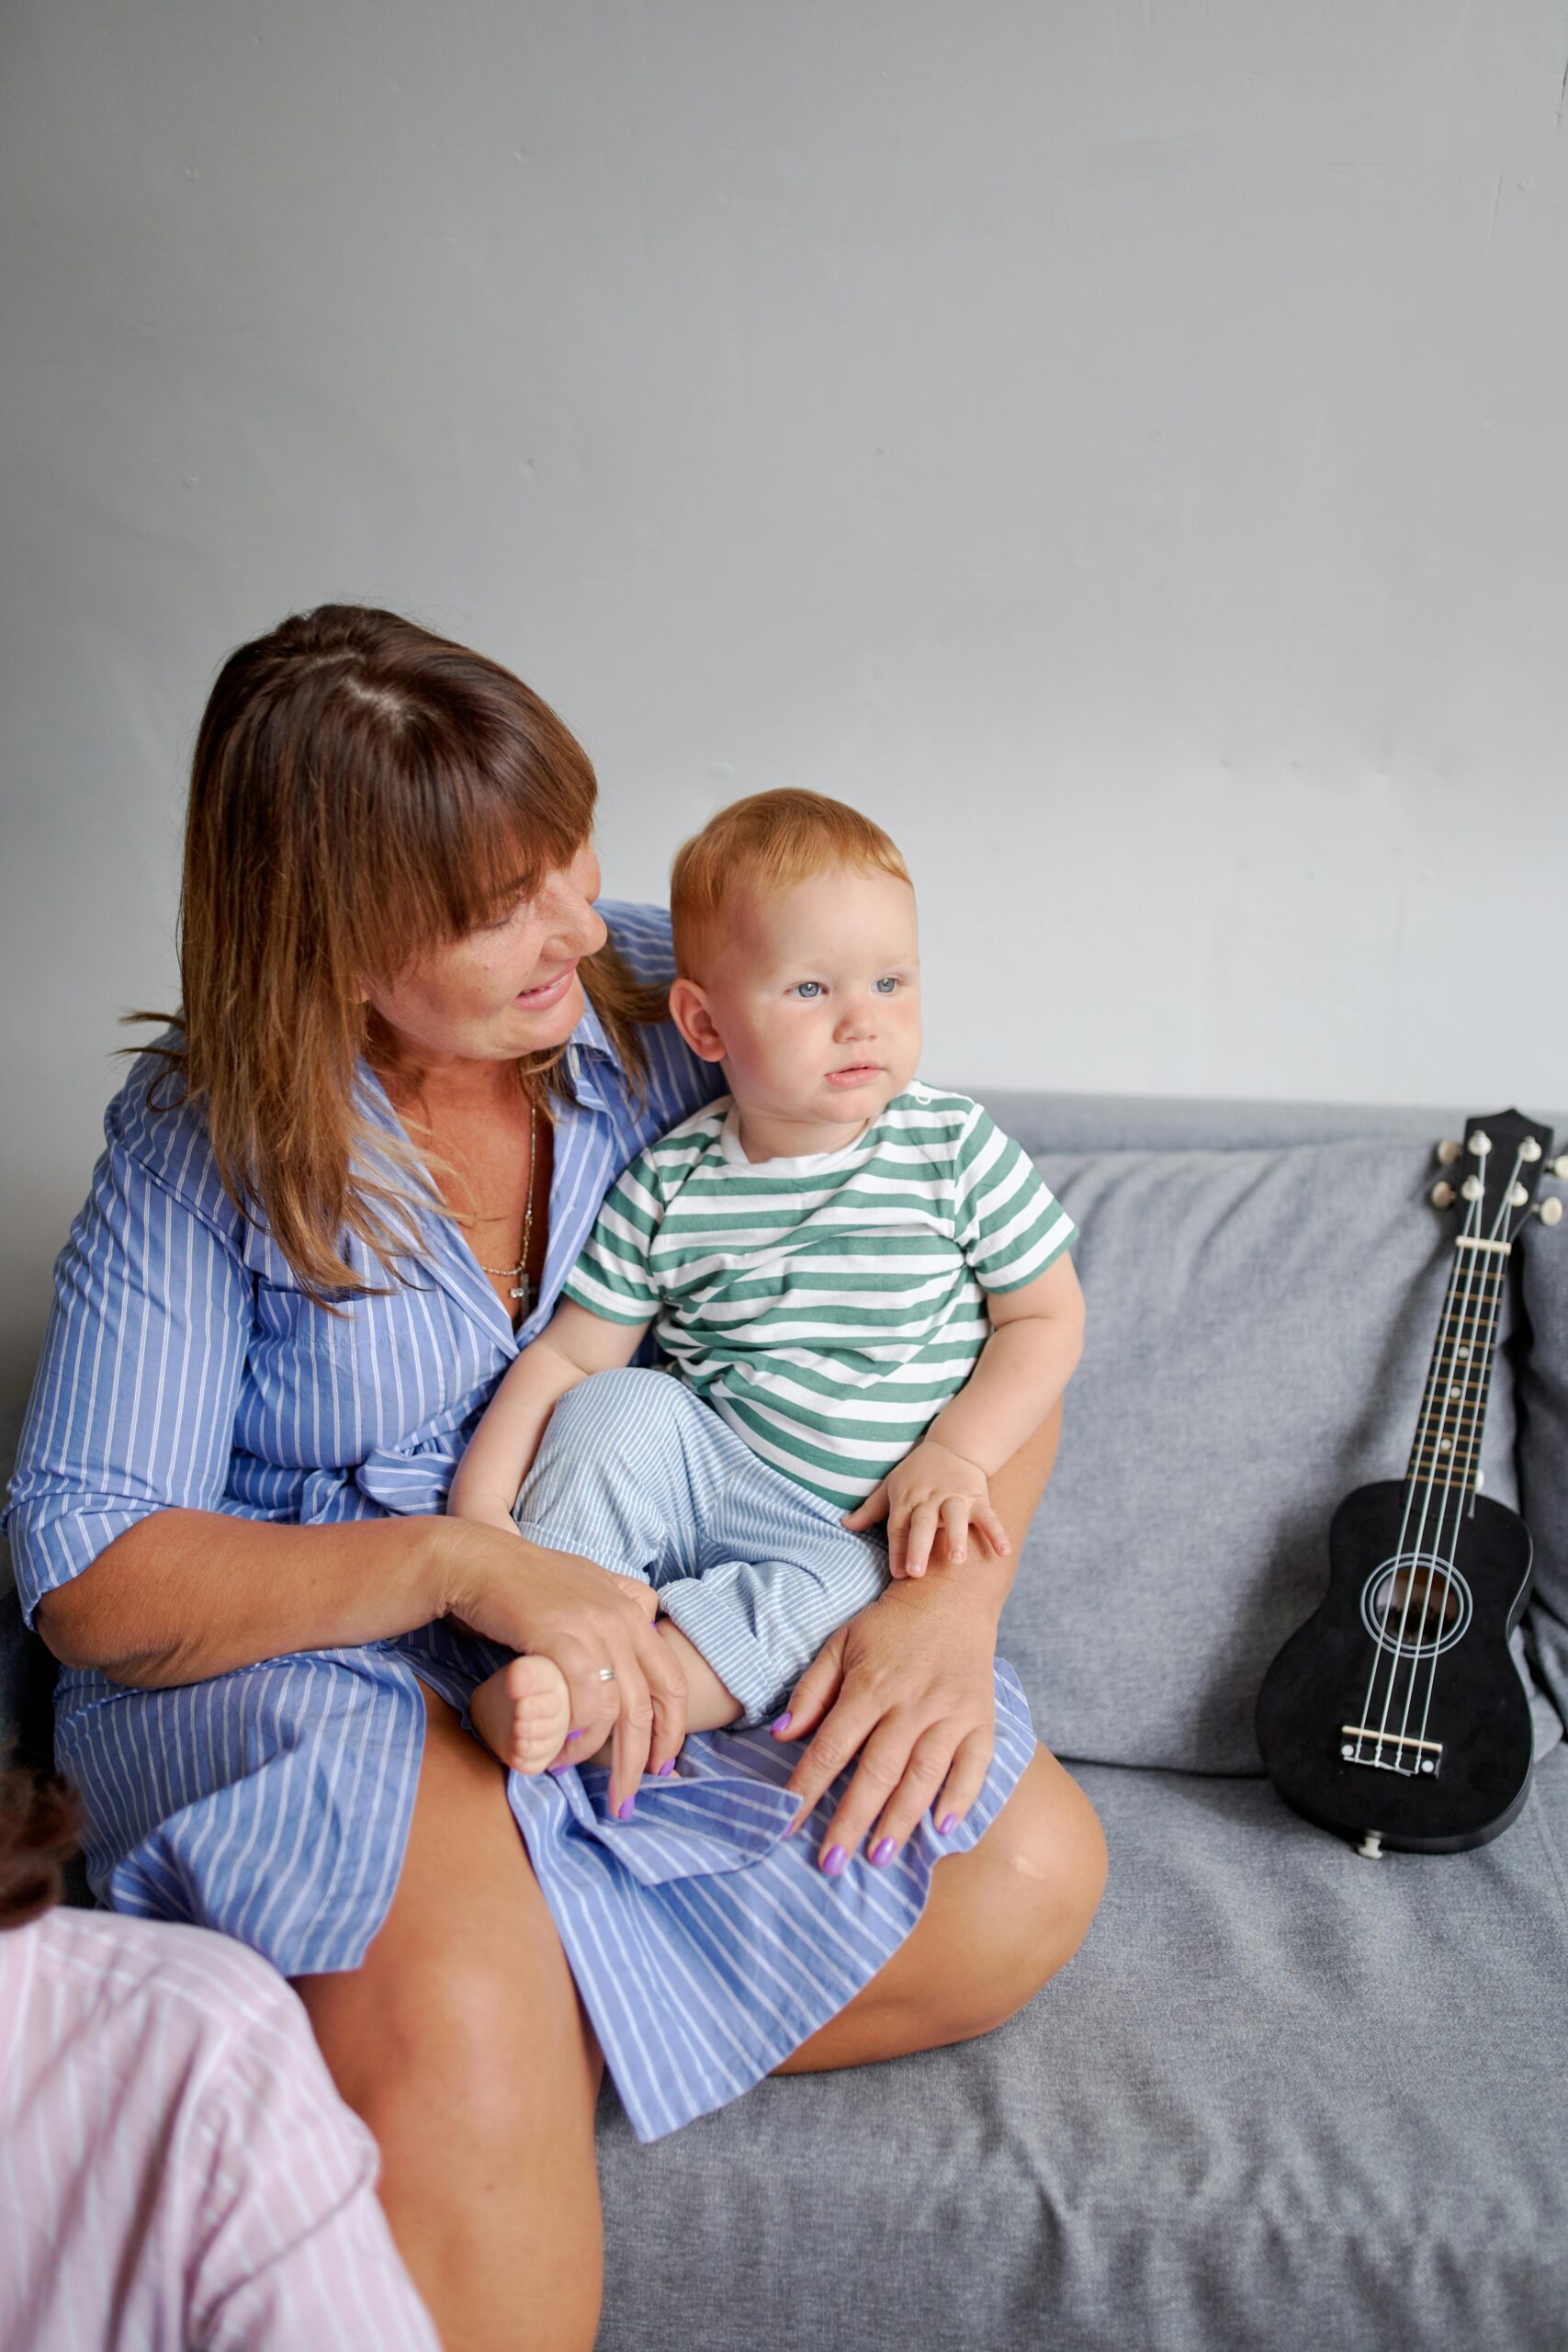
(186, 1595)
(501, 1453)
(908, 1684)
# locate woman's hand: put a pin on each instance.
(584, 1618)
(909, 1685)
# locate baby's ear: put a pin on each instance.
(690, 1012)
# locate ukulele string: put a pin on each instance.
(1478, 1357)
(1421, 1555)
(1427, 1437)
(1380, 1632)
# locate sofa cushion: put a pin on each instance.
(1281, 2096)
(1259, 1327)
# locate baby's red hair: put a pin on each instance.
(769, 841)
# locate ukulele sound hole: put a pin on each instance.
(1416, 1605)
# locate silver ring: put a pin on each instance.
(606, 1674)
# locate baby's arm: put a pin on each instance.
(1036, 1341)
(941, 1484)
(501, 1453)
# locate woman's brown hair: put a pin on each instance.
(361, 791)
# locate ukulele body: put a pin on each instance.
(1435, 1778)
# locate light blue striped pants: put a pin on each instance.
(636, 1472)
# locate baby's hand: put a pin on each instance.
(931, 1489)
(524, 1712)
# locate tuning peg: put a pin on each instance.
(1529, 1149)
(1449, 1151)
(1472, 1188)
(1517, 1196)
(1549, 1211)
(1559, 1168)
(1442, 1195)
(1480, 1143)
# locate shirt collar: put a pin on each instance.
(590, 1037)
(590, 1057)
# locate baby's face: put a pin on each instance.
(816, 996)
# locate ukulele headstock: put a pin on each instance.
(1494, 1172)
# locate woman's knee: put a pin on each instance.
(1040, 1876)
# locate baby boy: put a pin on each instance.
(861, 1285)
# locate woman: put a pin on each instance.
(412, 1058)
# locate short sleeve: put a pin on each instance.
(132, 1408)
(613, 1277)
(1008, 1222)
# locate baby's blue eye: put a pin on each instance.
(887, 986)
(809, 989)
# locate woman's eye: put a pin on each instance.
(808, 989)
(503, 921)
(886, 986)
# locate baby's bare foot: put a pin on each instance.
(524, 1712)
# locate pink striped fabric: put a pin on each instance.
(177, 2169)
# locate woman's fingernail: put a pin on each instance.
(783, 1723)
(625, 1809)
(885, 1850)
(833, 1860)
(574, 1735)
(667, 1768)
(946, 1825)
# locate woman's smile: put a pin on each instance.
(548, 992)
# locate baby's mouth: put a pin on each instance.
(855, 1074)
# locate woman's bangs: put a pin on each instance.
(478, 843)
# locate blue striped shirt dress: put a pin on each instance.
(184, 1366)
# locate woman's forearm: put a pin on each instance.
(184, 1595)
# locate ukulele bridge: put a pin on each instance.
(1392, 1751)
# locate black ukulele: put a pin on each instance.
(1395, 1716)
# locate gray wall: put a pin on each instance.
(1119, 444)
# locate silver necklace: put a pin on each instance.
(513, 1274)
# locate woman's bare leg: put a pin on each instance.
(999, 1922)
(462, 2044)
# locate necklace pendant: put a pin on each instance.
(524, 1287)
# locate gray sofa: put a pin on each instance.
(1283, 2098)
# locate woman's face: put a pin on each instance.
(508, 989)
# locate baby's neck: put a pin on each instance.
(768, 1134)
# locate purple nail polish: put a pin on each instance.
(947, 1824)
(667, 1768)
(834, 1859)
(626, 1809)
(783, 1723)
(574, 1735)
(884, 1850)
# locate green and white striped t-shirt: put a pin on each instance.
(827, 1306)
